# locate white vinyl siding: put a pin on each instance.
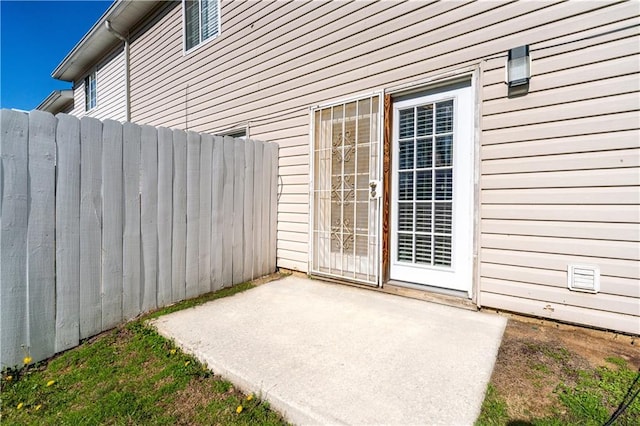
(560, 181)
(110, 96)
(558, 158)
(201, 21)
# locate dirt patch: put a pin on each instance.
(271, 277)
(536, 355)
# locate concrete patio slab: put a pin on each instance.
(323, 353)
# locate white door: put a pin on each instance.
(432, 189)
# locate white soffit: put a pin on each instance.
(56, 101)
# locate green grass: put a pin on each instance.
(130, 375)
(494, 409)
(590, 401)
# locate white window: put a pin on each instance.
(201, 21)
(90, 91)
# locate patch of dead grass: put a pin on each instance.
(198, 393)
(536, 356)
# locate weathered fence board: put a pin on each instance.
(100, 222)
(217, 213)
(238, 212)
(112, 223)
(193, 211)
(149, 216)
(204, 265)
(266, 211)
(227, 213)
(67, 233)
(165, 214)
(273, 211)
(249, 152)
(90, 226)
(40, 234)
(178, 272)
(258, 188)
(131, 134)
(13, 237)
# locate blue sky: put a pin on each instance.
(34, 37)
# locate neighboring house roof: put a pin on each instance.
(57, 101)
(122, 14)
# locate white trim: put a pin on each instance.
(84, 83)
(476, 85)
(432, 82)
(464, 104)
(350, 98)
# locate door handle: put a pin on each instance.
(374, 192)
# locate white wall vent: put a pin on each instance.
(583, 278)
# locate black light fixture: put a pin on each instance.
(518, 66)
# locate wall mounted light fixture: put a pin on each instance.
(518, 66)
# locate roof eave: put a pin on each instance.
(123, 15)
(56, 101)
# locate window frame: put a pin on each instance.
(186, 50)
(88, 105)
(240, 132)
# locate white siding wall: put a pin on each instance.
(560, 180)
(110, 77)
(573, 139)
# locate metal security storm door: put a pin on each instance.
(345, 193)
(432, 189)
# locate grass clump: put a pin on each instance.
(129, 375)
(599, 392)
(542, 383)
(494, 408)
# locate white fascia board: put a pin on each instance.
(98, 41)
(56, 101)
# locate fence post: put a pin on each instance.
(13, 236)
(40, 234)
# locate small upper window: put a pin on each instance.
(90, 92)
(202, 21)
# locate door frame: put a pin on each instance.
(473, 75)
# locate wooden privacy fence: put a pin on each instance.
(101, 221)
